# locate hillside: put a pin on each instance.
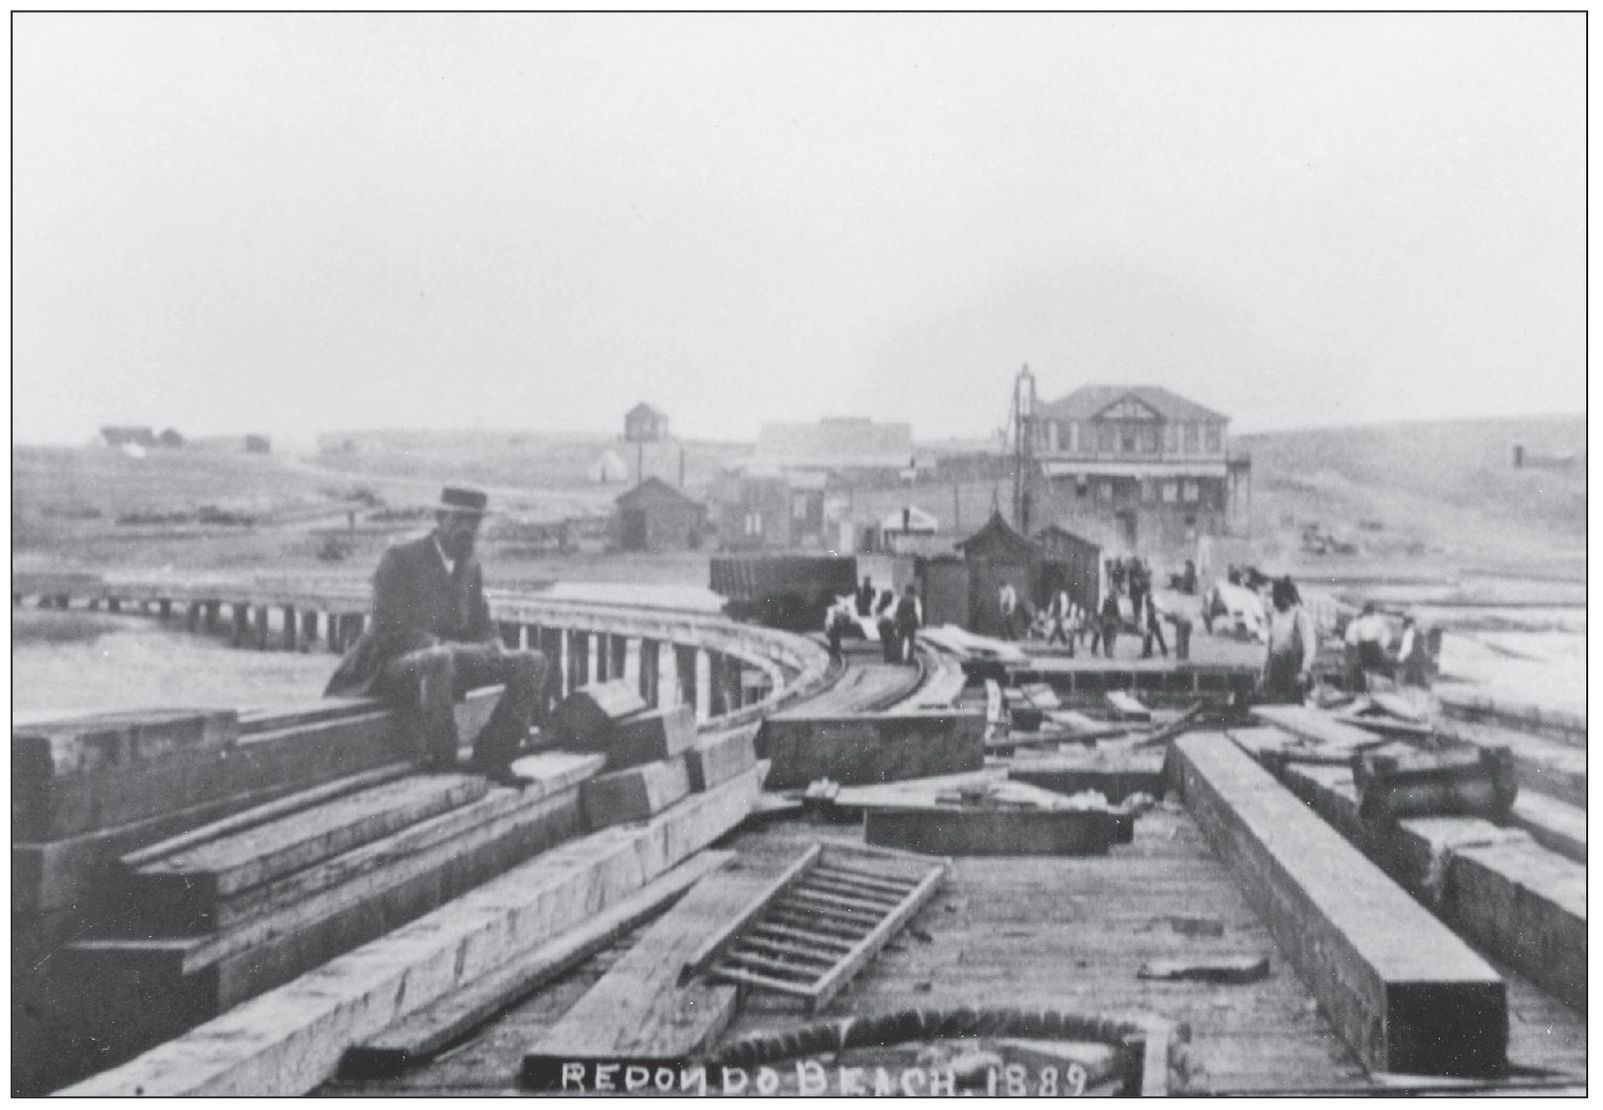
(1446, 490)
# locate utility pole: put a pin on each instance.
(1022, 427)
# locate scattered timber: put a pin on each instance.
(446, 1020)
(869, 747)
(291, 1039)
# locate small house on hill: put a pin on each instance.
(171, 437)
(644, 424)
(258, 445)
(655, 516)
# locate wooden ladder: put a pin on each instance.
(819, 923)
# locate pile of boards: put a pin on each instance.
(205, 914)
(89, 790)
(654, 756)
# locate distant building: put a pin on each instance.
(772, 509)
(258, 445)
(841, 445)
(1138, 466)
(609, 468)
(644, 424)
(124, 435)
(655, 516)
(908, 529)
(170, 438)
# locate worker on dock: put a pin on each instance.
(1293, 646)
(1413, 661)
(431, 640)
(885, 624)
(865, 597)
(909, 619)
(1007, 603)
(1108, 626)
(1364, 646)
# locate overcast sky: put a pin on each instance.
(297, 223)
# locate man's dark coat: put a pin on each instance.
(416, 604)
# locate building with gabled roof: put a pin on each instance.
(644, 424)
(1137, 468)
(654, 516)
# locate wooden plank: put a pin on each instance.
(870, 747)
(289, 1040)
(1126, 706)
(449, 1018)
(889, 887)
(634, 794)
(755, 939)
(1314, 725)
(865, 950)
(650, 736)
(867, 895)
(797, 900)
(213, 870)
(992, 832)
(304, 756)
(104, 741)
(1114, 774)
(721, 938)
(803, 920)
(1403, 992)
(803, 976)
(262, 814)
(721, 756)
(839, 900)
(1555, 825)
(640, 1010)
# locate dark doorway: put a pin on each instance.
(632, 529)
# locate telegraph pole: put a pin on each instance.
(1022, 426)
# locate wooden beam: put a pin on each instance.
(634, 794)
(1400, 989)
(651, 735)
(447, 1019)
(721, 756)
(290, 1039)
(588, 717)
(1521, 902)
(1115, 774)
(106, 741)
(870, 747)
(952, 831)
(189, 884)
(640, 1010)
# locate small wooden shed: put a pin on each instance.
(1069, 562)
(655, 516)
(996, 555)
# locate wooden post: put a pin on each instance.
(551, 647)
(114, 604)
(164, 607)
(308, 628)
(579, 658)
(620, 655)
(650, 670)
(264, 616)
(214, 611)
(241, 623)
(717, 688)
(292, 629)
(192, 614)
(684, 656)
(94, 602)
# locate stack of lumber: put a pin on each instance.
(290, 1039)
(654, 757)
(861, 748)
(89, 790)
(222, 914)
(1519, 891)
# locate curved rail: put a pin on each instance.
(793, 666)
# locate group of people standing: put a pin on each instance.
(897, 620)
(1066, 622)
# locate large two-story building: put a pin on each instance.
(1136, 468)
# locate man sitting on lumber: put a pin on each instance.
(431, 641)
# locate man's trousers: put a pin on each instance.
(426, 685)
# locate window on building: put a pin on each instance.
(1171, 435)
(1170, 491)
(1188, 491)
(1191, 438)
(1215, 438)
(1127, 441)
(1081, 488)
(1104, 439)
(1104, 490)
(1149, 489)
(1069, 435)
(1149, 441)
(754, 524)
(798, 506)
